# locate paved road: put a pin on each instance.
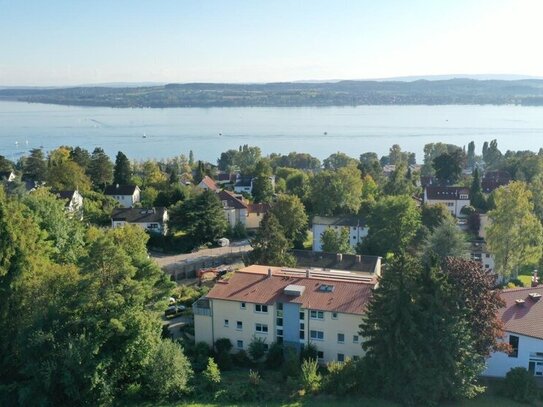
(175, 324)
(164, 260)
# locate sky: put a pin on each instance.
(70, 42)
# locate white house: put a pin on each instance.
(454, 198)
(126, 195)
(235, 210)
(295, 307)
(154, 220)
(244, 184)
(208, 184)
(357, 229)
(522, 317)
(73, 200)
(7, 176)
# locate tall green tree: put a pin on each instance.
(5, 164)
(262, 185)
(370, 165)
(448, 166)
(122, 172)
(477, 199)
(471, 155)
(270, 246)
(393, 224)
(35, 167)
(100, 168)
(81, 157)
(515, 235)
(446, 240)
(338, 160)
(67, 175)
(399, 182)
(291, 215)
(201, 217)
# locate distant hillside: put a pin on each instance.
(342, 93)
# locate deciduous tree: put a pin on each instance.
(290, 213)
(270, 246)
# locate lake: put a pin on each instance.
(161, 133)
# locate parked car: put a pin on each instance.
(174, 310)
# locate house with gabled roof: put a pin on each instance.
(454, 198)
(207, 183)
(73, 201)
(126, 195)
(295, 307)
(522, 318)
(153, 220)
(7, 176)
(355, 224)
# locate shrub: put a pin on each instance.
(310, 377)
(254, 377)
(520, 385)
(224, 360)
(274, 358)
(168, 371)
(257, 348)
(342, 378)
(223, 345)
(200, 355)
(309, 351)
(241, 359)
(291, 364)
(212, 375)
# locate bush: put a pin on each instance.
(168, 372)
(310, 377)
(520, 385)
(212, 375)
(254, 378)
(342, 378)
(274, 358)
(200, 355)
(241, 359)
(257, 348)
(223, 345)
(309, 351)
(291, 363)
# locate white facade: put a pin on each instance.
(356, 234)
(154, 227)
(334, 334)
(76, 203)
(235, 216)
(529, 356)
(128, 201)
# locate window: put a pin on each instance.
(226, 322)
(317, 335)
(239, 344)
(239, 325)
(279, 306)
(302, 335)
(340, 338)
(279, 322)
(463, 196)
(302, 315)
(279, 332)
(320, 354)
(334, 315)
(302, 326)
(261, 308)
(243, 305)
(316, 315)
(340, 357)
(261, 328)
(487, 255)
(513, 342)
(355, 338)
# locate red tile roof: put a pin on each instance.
(525, 319)
(349, 297)
(210, 183)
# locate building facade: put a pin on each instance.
(356, 226)
(454, 198)
(154, 220)
(291, 306)
(126, 195)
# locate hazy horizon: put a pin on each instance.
(68, 43)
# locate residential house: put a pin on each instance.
(295, 307)
(126, 195)
(356, 225)
(72, 199)
(244, 184)
(154, 220)
(454, 198)
(224, 178)
(255, 214)
(480, 253)
(235, 209)
(494, 179)
(7, 176)
(208, 184)
(356, 263)
(522, 317)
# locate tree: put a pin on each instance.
(201, 217)
(515, 235)
(418, 347)
(336, 192)
(475, 287)
(477, 199)
(446, 240)
(35, 168)
(227, 160)
(434, 215)
(270, 246)
(370, 165)
(433, 150)
(5, 164)
(298, 184)
(168, 372)
(152, 175)
(290, 213)
(471, 155)
(122, 173)
(100, 168)
(67, 175)
(247, 158)
(448, 166)
(338, 160)
(399, 183)
(393, 223)
(492, 156)
(81, 157)
(336, 242)
(191, 158)
(212, 374)
(148, 197)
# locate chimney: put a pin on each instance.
(307, 273)
(269, 272)
(339, 257)
(358, 258)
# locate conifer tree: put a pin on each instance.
(122, 172)
(270, 246)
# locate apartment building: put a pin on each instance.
(292, 306)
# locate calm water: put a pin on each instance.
(353, 130)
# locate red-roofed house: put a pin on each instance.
(291, 306)
(235, 209)
(208, 183)
(454, 198)
(522, 317)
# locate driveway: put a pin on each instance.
(174, 324)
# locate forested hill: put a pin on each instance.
(343, 93)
